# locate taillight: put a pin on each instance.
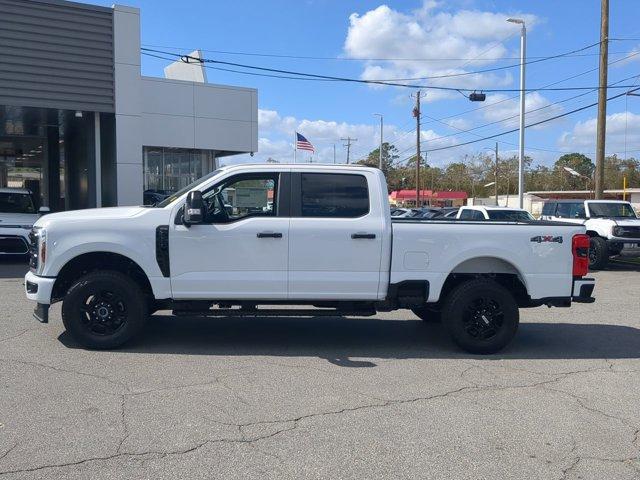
(580, 249)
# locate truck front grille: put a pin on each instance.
(13, 245)
(627, 232)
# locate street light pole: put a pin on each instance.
(523, 55)
(381, 127)
(495, 176)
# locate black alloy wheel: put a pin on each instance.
(104, 309)
(481, 315)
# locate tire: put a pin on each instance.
(481, 316)
(104, 310)
(427, 314)
(598, 253)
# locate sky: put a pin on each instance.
(412, 39)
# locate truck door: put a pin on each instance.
(335, 239)
(241, 250)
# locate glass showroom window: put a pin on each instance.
(167, 170)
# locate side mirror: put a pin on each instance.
(43, 210)
(193, 208)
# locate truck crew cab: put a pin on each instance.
(612, 225)
(317, 237)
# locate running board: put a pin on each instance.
(272, 312)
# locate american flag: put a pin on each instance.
(303, 144)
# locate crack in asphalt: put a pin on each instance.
(63, 370)
(290, 424)
(8, 451)
(13, 337)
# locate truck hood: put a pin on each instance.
(11, 219)
(631, 222)
(89, 215)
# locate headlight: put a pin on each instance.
(618, 231)
(38, 250)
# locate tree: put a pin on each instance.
(581, 164)
(389, 157)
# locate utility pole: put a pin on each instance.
(349, 140)
(495, 176)
(417, 114)
(602, 98)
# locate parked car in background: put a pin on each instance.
(612, 225)
(446, 213)
(18, 213)
(402, 212)
(499, 214)
(426, 213)
(151, 197)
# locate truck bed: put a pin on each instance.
(433, 249)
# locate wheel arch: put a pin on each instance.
(499, 269)
(101, 260)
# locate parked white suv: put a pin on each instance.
(221, 248)
(17, 216)
(612, 225)
(494, 213)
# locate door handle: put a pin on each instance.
(269, 235)
(368, 236)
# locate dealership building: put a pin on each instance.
(81, 127)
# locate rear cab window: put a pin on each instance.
(337, 195)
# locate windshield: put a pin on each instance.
(11, 202)
(174, 196)
(612, 209)
(510, 215)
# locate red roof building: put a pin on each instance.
(407, 198)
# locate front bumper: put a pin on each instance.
(38, 288)
(583, 290)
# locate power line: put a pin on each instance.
(380, 59)
(304, 76)
(531, 124)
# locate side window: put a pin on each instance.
(478, 215)
(241, 196)
(564, 210)
(334, 195)
(549, 209)
(577, 210)
(571, 210)
(466, 214)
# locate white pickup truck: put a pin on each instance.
(612, 225)
(316, 240)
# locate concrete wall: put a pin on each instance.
(128, 104)
(159, 112)
(184, 114)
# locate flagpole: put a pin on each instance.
(295, 147)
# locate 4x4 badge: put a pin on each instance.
(546, 238)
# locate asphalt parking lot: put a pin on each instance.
(381, 397)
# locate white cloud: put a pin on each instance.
(583, 136)
(459, 123)
(632, 56)
(506, 109)
(419, 40)
(276, 140)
